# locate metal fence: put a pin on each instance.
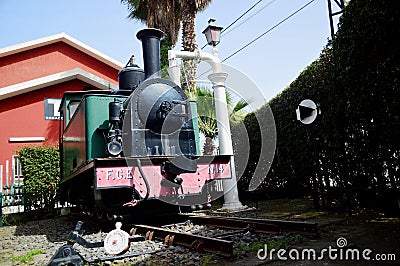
(12, 199)
(12, 195)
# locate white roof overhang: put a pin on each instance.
(50, 80)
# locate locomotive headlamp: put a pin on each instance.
(213, 33)
(114, 148)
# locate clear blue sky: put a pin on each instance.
(272, 62)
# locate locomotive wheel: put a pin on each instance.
(70, 195)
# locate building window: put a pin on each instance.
(16, 170)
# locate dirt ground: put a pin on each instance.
(362, 238)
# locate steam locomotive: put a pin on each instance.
(136, 148)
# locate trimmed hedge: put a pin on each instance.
(350, 156)
(41, 172)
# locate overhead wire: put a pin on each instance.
(237, 26)
(237, 19)
(263, 34)
(269, 30)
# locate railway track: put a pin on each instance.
(214, 234)
(218, 243)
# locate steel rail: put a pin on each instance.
(195, 242)
(257, 225)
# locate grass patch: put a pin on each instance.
(206, 260)
(27, 257)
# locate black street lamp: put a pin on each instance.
(213, 33)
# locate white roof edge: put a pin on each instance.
(13, 49)
(39, 83)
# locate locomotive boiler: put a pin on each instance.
(137, 148)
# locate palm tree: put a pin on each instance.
(151, 13)
(207, 118)
(161, 14)
(166, 15)
(189, 11)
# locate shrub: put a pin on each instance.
(41, 172)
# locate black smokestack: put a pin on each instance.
(151, 50)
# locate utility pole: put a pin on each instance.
(340, 4)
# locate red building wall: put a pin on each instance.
(23, 115)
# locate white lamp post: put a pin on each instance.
(218, 78)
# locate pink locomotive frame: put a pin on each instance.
(129, 176)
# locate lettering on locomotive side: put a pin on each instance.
(119, 173)
(114, 176)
